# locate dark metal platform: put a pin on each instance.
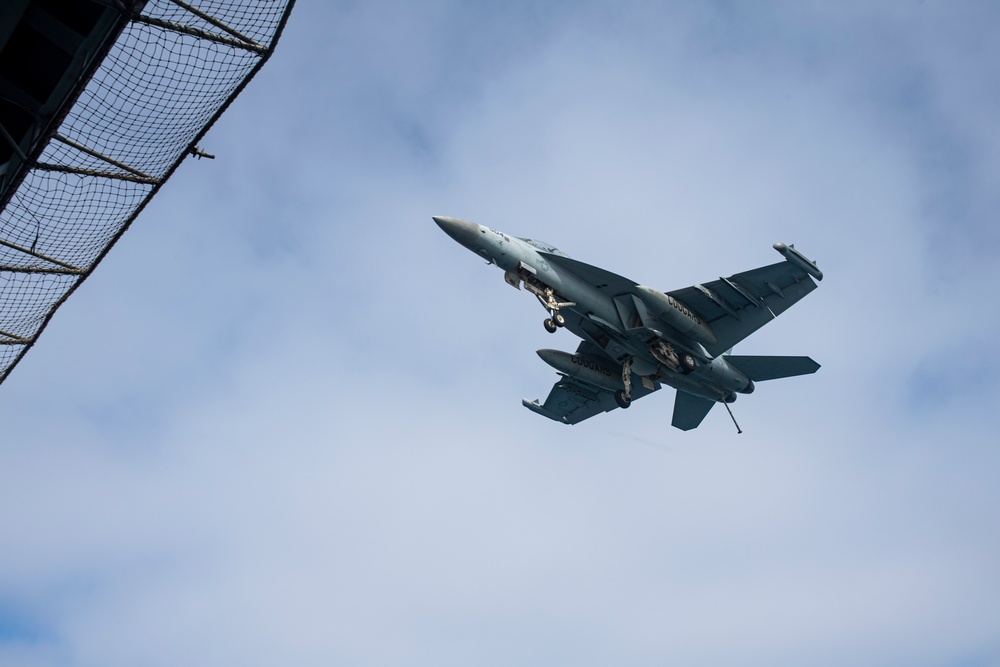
(48, 50)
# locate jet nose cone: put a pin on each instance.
(462, 231)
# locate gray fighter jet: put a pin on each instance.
(637, 338)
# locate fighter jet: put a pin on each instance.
(636, 338)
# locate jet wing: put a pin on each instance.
(736, 306)
(733, 307)
(600, 278)
(571, 401)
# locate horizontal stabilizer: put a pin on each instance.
(690, 410)
(772, 368)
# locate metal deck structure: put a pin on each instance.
(100, 102)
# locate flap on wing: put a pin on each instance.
(571, 401)
(689, 410)
(595, 275)
(737, 306)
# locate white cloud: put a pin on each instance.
(281, 421)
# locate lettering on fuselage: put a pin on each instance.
(681, 307)
(589, 363)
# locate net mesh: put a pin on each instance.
(169, 75)
(68, 217)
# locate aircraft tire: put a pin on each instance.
(559, 320)
(688, 362)
(550, 325)
(622, 400)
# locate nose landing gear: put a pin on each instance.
(548, 299)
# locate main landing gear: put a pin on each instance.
(688, 362)
(623, 397)
(681, 362)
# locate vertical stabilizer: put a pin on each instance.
(690, 410)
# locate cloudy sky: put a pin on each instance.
(281, 423)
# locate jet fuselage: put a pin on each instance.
(623, 325)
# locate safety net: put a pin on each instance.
(168, 77)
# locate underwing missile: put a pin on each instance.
(676, 314)
(586, 369)
(798, 259)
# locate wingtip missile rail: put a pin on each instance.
(798, 259)
(538, 408)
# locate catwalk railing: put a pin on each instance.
(170, 75)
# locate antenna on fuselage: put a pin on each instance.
(738, 431)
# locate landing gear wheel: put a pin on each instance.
(550, 326)
(622, 399)
(688, 362)
(559, 320)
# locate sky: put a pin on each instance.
(281, 422)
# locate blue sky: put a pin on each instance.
(281, 423)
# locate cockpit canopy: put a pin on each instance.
(544, 247)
